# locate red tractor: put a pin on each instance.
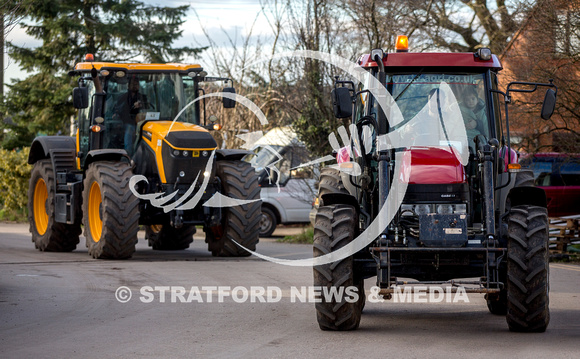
(468, 211)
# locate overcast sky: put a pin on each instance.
(235, 17)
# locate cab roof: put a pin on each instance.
(172, 67)
(432, 59)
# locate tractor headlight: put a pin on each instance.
(407, 210)
(445, 208)
(461, 208)
(422, 209)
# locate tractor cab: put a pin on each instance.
(115, 100)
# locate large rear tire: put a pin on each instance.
(333, 229)
(527, 269)
(111, 211)
(239, 223)
(47, 234)
(166, 238)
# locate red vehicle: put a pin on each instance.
(558, 174)
(467, 212)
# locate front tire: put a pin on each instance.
(334, 228)
(527, 269)
(166, 238)
(111, 211)
(239, 223)
(48, 235)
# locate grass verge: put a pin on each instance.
(14, 215)
(306, 237)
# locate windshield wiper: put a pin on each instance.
(407, 87)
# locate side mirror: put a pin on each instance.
(342, 102)
(80, 97)
(549, 104)
(228, 102)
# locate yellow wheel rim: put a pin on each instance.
(95, 221)
(40, 214)
(156, 228)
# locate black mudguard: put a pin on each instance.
(340, 198)
(42, 147)
(531, 196)
(231, 155)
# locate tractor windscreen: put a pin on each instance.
(159, 96)
(135, 97)
(435, 107)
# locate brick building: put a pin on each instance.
(547, 46)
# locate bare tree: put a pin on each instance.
(10, 13)
(547, 47)
(465, 25)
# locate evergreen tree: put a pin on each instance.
(112, 30)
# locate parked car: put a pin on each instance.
(287, 191)
(558, 174)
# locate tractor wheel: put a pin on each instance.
(239, 223)
(111, 211)
(47, 234)
(330, 182)
(527, 269)
(267, 223)
(333, 229)
(166, 238)
(524, 178)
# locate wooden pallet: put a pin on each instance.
(563, 232)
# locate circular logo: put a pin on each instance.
(123, 294)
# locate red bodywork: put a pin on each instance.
(432, 165)
(433, 59)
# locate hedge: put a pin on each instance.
(14, 176)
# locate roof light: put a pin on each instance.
(483, 53)
(104, 73)
(89, 58)
(402, 44)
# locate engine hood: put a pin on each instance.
(432, 165)
(181, 150)
(179, 135)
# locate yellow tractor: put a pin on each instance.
(143, 155)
